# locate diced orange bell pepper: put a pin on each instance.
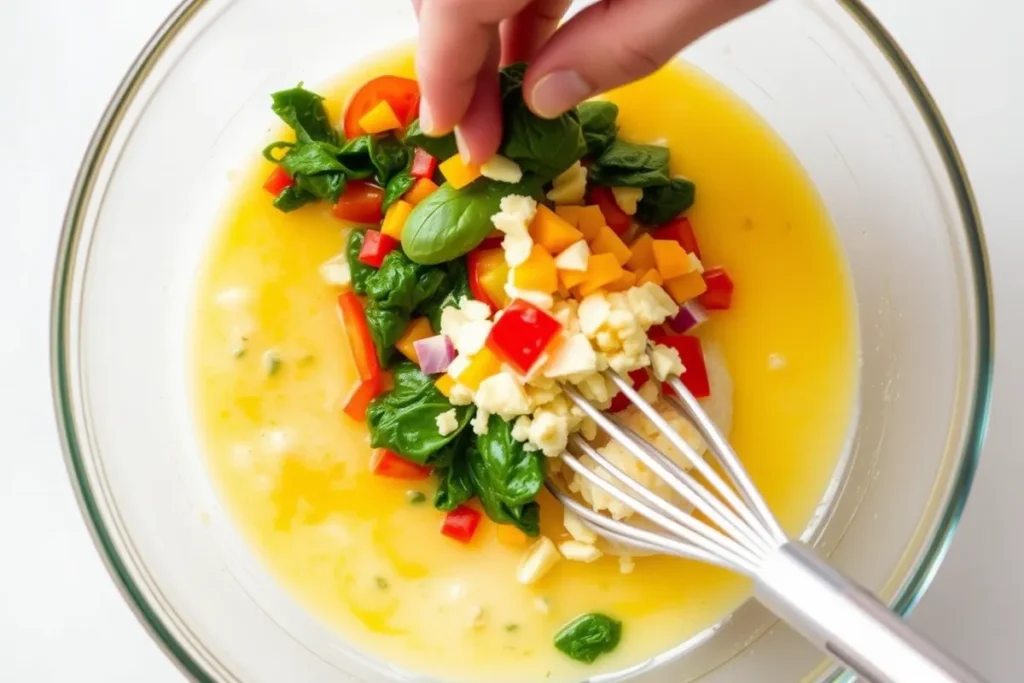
(602, 269)
(394, 219)
(607, 242)
(510, 536)
(570, 278)
(589, 221)
(685, 287)
(651, 275)
(671, 259)
(569, 214)
(481, 366)
(537, 273)
(625, 281)
(380, 119)
(417, 329)
(458, 173)
(641, 254)
(423, 188)
(553, 232)
(445, 385)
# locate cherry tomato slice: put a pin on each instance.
(403, 94)
(615, 217)
(361, 203)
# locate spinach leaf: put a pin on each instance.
(327, 186)
(625, 164)
(389, 156)
(545, 147)
(386, 326)
(355, 155)
(456, 287)
(450, 222)
(597, 118)
(397, 186)
(454, 484)
(662, 204)
(403, 285)
(310, 158)
(360, 271)
(441, 148)
(589, 636)
(304, 112)
(506, 477)
(292, 198)
(405, 418)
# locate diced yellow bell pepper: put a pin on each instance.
(602, 270)
(671, 259)
(553, 232)
(445, 385)
(510, 536)
(570, 278)
(641, 254)
(458, 173)
(417, 329)
(537, 273)
(380, 119)
(423, 188)
(481, 366)
(625, 281)
(569, 214)
(590, 220)
(650, 275)
(685, 287)
(394, 220)
(607, 242)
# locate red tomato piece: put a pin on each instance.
(376, 245)
(615, 217)
(387, 463)
(718, 297)
(423, 165)
(619, 401)
(361, 202)
(278, 181)
(695, 377)
(461, 523)
(488, 273)
(521, 334)
(403, 94)
(680, 230)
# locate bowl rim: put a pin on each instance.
(75, 446)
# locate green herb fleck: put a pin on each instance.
(511, 628)
(589, 636)
(382, 583)
(415, 497)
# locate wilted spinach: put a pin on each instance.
(304, 113)
(589, 636)
(386, 326)
(598, 120)
(455, 288)
(399, 184)
(292, 198)
(662, 204)
(389, 156)
(441, 148)
(360, 271)
(506, 477)
(454, 484)
(625, 164)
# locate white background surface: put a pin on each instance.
(61, 618)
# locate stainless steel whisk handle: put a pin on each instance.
(848, 622)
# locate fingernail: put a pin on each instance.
(559, 92)
(426, 119)
(460, 142)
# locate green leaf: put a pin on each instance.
(589, 636)
(403, 285)
(389, 156)
(360, 271)
(405, 418)
(292, 198)
(506, 477)
(355, 156)
(327, 186)
(455, 289)
(662, 204)
(311, 158)
(304, 112)
(441, 148)
(454, 483)
(450, 222)
(397, 186)
(386, 327)
(597, 118)
(625, 164)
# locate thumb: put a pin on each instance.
(614, 42)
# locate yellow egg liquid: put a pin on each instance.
(293, 471)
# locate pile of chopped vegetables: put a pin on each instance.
(471, 295)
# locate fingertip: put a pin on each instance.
(555, 93)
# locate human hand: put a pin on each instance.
(610, 43)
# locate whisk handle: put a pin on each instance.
(848, 622)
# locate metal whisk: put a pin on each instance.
(835, 614)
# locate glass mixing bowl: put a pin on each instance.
(825, 75)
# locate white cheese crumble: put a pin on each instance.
(627, 198)
(570, 186)
(447, 422)
(502, 169)
(575, 257)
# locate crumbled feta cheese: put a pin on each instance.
(479, 422)
(593, 312)
(447, 422)
(549, 432)
(695, 264)
(574, 257)
(595, 389)
(452, 320)
(458, 366)
(337, 271)
(517, 249)
(579, 552)
(514, 219)
(502, 169)
(472, 337)
(570, 186)
(649, 392)
(541, 605)
(573, 356)
(577, 529)
(538, 299)
(461, 395)
(665, 362)
(521, 429)
(538, 561)
(503, 395)
(651, 304)
(474, 310)
(626, 564)
(627, 198)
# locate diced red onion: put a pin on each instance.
(434, 353)
(691, 315)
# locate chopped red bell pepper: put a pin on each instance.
(461, 523)
(695, 377)
(521, 335)
(423, 165)
(278, 181)
(616, 218)
(402, 94)
(359, 400)
(361, 202)
(387, 463)
(620, 402)
(488, 272)
(363, 352)
(718, 296)
(376, 245)
(680, 230)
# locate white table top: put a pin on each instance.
(61, 617)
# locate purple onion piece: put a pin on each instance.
(691, 315)
(435, 354)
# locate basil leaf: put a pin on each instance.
(360, 271)
(389, 156)
(589, 636)
(454, 484)
(625, 164)
(597, 118)
(405, 418)
(304, 112)
(292, 198)
(403, 285)
(455, 289)
(386, 327)
(397, 186)
(450, 222)
(441, 148)
(506, 477)
(662, 204)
